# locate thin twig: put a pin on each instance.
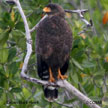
(66, 105)
(96, 84)
(104, 81)
(35, 27)
(31, 65)
(82, 89)
(11, 42)
(76, 11)
(79, 12)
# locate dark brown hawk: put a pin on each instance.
(53, 45)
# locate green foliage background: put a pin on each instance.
(88, 69)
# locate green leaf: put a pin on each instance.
(105, 65)
(75, 78)
(77, 64)
(22, 43)
(7, 19)
(70, 100)
(13, 68)
(3, 38)
(19, 26)
(16, 90)
(26, 93)
(19, 38)
(89, 88)
(3, 100)
(12, 54)
(1, 90)
(88, 64)
(3, 55)
(98, 77)
(3, 25)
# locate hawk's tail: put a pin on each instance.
(51, 93)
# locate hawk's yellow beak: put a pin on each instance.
(46, 9)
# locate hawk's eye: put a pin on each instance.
(53, 7)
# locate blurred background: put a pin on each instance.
(88, 70)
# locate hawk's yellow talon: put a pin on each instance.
(60, 76)
(51, 76)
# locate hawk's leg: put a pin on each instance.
(60, 76)
(51, 76)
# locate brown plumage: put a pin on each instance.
(53, 45)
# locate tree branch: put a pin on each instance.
(79, 12)
(35, 27)
(28, 38)
(60, 83)
(77, 93)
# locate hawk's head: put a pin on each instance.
(54, 9)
